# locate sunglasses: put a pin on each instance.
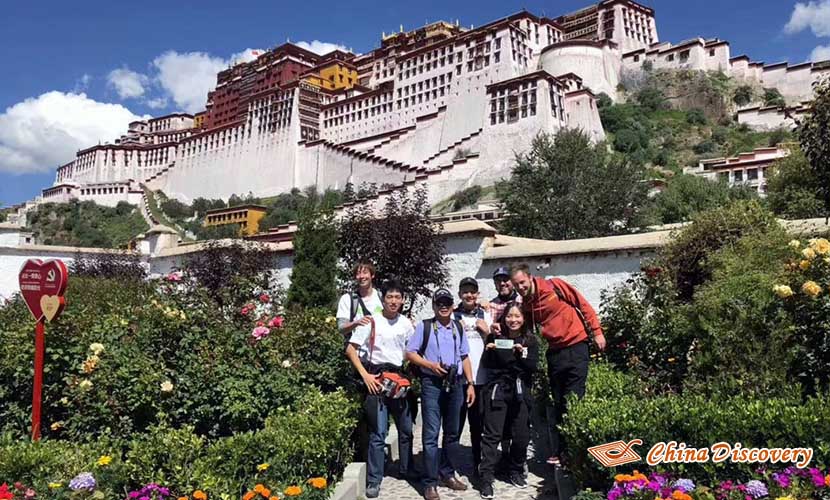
(443, 303)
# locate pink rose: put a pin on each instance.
(260, 332)
(264, 298)
(276, 322)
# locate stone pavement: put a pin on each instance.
(540, 480)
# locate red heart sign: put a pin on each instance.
(42, 285)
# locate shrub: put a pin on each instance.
(792, 191)
(743, 95)
(808, 308)
(652, 99)
(696, 117)
(772, 97)
(617, 406)
(466, 197)
(314, 275)
(704, 303)
(703, 147)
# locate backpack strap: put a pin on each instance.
(585, 325)
(427, 332)
(357, 302)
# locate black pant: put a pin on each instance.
(473, 414)
(498, 417)
(567, 373)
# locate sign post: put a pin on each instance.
(42, 285)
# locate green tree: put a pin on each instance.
(348, 193)
(792, 188)
(743, 95)
(686, 195)
(401, 241)
(772, 97)
(466, 197)
(314, 276)
(565, 187)
(814, 134)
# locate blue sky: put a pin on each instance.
(77, 72)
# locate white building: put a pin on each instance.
(748, 169)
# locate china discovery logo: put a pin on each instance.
(620, 453)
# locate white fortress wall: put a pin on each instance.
(582, 113)
(598, 64)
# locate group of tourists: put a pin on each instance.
(475, 361)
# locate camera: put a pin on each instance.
(450, 377)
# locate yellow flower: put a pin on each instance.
(54, 486)
(263, 467)
(85, 385)
(794, 244)
(788, 497)
(104, 460)
(124, 322)
(331, 319)
(90, 364)
(672, 360)
(808, 253)
(804, 264)
(811, 288)
(96, 348)
(820, 245)
(167, 386)
(293, 491)
(182, 315)
(56, 426)
(783, 291)
(318, 482)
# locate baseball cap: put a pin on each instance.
(502, 271)
(468, 282)
(442, 295)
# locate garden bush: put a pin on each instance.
(706, 302)
(191, 381)
(618, 406)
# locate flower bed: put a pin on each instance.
(787, 484)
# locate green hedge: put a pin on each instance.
(618, 407)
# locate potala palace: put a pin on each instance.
(441, 105)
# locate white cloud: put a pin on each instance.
(42, 132)
(246, 55)
(127, 83)
(820, 53)
(82, 83)
(812, 15)
(321, 48)
(188, 77)
(157, 103)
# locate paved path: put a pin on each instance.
(540, 479)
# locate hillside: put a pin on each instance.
(673, 119)
(86, 224)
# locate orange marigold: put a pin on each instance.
(183, 498)
(249, 496)
(293, 491)
(258, 488)
(199, 495)
(679, 495)
(265, 492)
(274, 498)
(318, 482)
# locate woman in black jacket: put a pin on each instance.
(511, 358)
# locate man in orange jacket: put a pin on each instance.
(562, 314)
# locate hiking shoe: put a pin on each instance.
(372, 491)
(487, 490)
(518, 480)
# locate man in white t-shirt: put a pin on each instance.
(476, 321)
(380, 346)
(355, 309)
